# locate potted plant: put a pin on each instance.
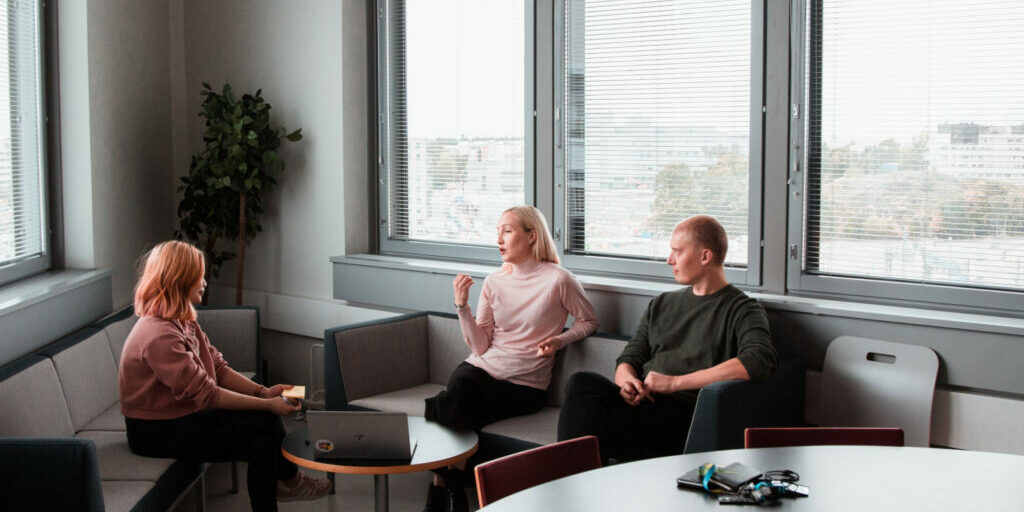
(222, 195)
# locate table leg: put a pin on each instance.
(380, 493)
(330, 478)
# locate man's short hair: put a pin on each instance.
(709, 234)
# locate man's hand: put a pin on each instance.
(631, 389)
(661, 383)
(281, 406)
(548, 347)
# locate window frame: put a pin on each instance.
(853, 288)
(36, 264)
(393, 100)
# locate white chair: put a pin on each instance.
(872, 383)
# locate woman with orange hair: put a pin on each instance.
(513, 338)
(180, 398)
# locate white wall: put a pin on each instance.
(115, 132)
(309, 60)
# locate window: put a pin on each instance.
(891, 168)
(658, 126)
(456, 145)
(23, 243)
(912, 135)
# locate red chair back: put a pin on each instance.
(510, 474)
(806, 436)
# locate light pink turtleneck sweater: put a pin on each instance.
(517, 311)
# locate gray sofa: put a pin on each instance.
(394, 364)
(62, 435)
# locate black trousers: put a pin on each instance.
(473, 399)
(220, 435)
(593, 406)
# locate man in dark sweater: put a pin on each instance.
(687, 339)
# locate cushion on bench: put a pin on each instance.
(32, 401)
(88, 377)
(409, 400)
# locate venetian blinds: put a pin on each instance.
(657, 122)
(457, 109)
(22, 217)
(915, 141)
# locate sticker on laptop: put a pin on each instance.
(324, 446)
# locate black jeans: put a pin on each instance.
(473, 399)
(220, 435)
(593, 406)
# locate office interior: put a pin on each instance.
(125, 97)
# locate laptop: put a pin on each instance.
(360, 436)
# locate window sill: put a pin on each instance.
(40, 309)
(651, 288)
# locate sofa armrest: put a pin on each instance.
(235, 332)
(370, 358)
(49, 474)
(724, 409)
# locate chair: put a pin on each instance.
(806, 436)
(510, 474)
(872, 383)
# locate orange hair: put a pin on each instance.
(172, 269)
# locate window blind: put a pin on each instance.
(457, 117)
(915, 141)
(22, 218)
(657, 123)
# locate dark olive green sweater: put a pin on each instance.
(681, 333)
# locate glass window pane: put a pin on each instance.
(458, 118)
(657, 124)
(916, 141)
(22, 216)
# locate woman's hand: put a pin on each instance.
(548, 347)
(461, 286)
(274, 390)
(282, 406)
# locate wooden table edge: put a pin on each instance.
(379, 470)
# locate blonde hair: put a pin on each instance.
(164, 288)
(531, 219)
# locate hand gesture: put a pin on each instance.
(548, 347)
(461, 286)
(274, 390)
(659, 383)
(631, 389)
(281, 406)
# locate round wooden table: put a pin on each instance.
(436, 447)
(872, 478)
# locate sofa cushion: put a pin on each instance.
(540, 427)
(409, 400)
(401, 345)
(592, 354)
(117, 333)
(110, 419)
(445, 346)
(33, 404)
(117, 462)
(233, 332)
(88, 377)
(122, 495)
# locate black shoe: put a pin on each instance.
(457, 498)
(437, 499)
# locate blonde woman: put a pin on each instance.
(513, 337)
(180, 398)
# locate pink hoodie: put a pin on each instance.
(168, 370)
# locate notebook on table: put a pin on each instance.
(360, 436)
